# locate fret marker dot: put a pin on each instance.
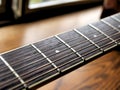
(57, 51)
(94, 35)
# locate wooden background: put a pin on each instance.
(101, 74)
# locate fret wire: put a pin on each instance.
(92, 26)
(110, 25)
(69, 47)
(59, 58)
(88, 39)
(13, 71)
(46, 58)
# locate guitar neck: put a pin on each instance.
(36, 63)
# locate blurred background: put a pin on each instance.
(17, 11)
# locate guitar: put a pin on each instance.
(40, 62)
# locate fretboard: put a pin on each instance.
(36, 63)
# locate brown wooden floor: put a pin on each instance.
(101, 74)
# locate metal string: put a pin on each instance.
(43, 58)
(73, 46)
(65, 63)
(52, 55)
(94, 50)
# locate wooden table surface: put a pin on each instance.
(100, 74)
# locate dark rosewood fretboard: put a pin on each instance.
(30, 65)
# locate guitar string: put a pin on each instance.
(19, 56)
(59, 66)
(53, 62)
(73, 46)
(7, 83)
(13, 71)
(87, 46)
(64, 49)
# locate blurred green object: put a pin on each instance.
(35, 1)
(39, 1)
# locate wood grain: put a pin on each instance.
(101, 74)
